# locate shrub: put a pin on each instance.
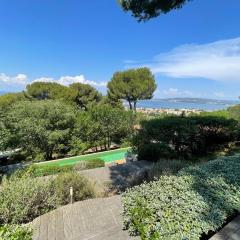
(89, 164)
(165, 167)
(187, 206)
(82, 188)
(24, 198)
(41, 170)
(154, 151)
(183, 137)
(14, 232)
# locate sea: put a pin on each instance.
(205, 105)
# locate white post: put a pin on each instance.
(71, 195)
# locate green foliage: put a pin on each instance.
(234, 112)
(218, 113)
(132, 85)
(102, 125)
(85, 95)
(165, 167)
(184, 137)
(155, 151)
(82, 188)
(50, 90)
(89, 164)
(23, 198)
(45, 170)
(185, 206)
(15, 232)
(5, 137)
(144, 9)
(41, 128)
(113, 102)
(7, 100)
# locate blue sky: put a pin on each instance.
(194, 52)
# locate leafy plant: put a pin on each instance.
(23, 198)
(165, 167)
(82, 188)
(194, 202)
(15, 232)
(45, 170)
(89, 164)
(183, 137)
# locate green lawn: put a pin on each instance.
(107, 157)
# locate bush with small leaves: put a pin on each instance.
(24, 198)
(196, 201)
(15, 232)
(82, 188)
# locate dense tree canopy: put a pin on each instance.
(50, 90)
(85, 94)
(102, 125)
(40, 128)
(184, 137)
(132, 85)
(145, 9)
(234, 112)
(7, 100)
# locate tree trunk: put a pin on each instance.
(130, 105)
(135, 105)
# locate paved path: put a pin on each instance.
(94, 219)
(118, 176)
(230, 232)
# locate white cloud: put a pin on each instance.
(19, 82)
(218, 61)
(67, 80)
(20, 79)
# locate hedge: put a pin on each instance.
(187, 206)
(89, 164)
(40, 171)
(183, 137)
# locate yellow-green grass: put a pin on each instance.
(107, 157)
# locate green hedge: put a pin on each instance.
(40, 171)
(183, 137)
(89, 164)
(46, 170)
(187, 206)
(15, 232)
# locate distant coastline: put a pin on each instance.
(199, 104)
(198, 100)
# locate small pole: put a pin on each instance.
(71, 195)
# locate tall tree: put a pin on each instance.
(132, 85)
(40, 128)
(145, 9)
(50, 90)
(85, 94)
(8, 99)
(111, 123)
